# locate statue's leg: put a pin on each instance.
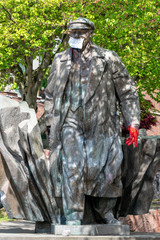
(73, 156)
(104, 210)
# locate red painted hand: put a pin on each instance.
(133, 136)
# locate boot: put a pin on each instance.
(110, 219)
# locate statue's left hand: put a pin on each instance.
(133, 136)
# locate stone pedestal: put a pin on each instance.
(81, 230)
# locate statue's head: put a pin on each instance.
(80, 31)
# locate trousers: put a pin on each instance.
(74, 177)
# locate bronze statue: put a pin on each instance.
(84, 86)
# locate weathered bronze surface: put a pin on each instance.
(25, 177)
(83, 89)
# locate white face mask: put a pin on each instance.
(76, 42)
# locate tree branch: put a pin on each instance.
(29, 60)
(10, 15)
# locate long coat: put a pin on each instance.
(108, 83)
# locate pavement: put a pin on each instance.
(24, 230)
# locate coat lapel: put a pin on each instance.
(61, 81)
(97, 69)
(65, 66)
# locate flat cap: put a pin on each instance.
(81, 23)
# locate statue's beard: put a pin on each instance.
(76, 42)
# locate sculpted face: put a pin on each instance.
(83, 34)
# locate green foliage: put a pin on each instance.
(28, 28)
(44, 82)
(3, 215)
(3, 82)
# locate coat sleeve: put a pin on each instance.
(126, 92)
(49, 101)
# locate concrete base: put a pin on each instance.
(81, 230)
(147, 236)
(24, 230)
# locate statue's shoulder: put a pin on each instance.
(62, 54)
(106, 53)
